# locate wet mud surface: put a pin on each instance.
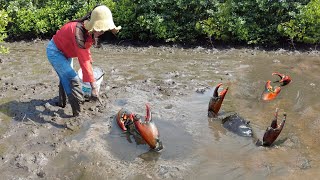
(39, 140)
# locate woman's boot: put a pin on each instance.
(76, 96)
(75, 105)
(62, 99)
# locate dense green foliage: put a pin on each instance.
(163, 19)
(42, 18)
(4, 19)
(262, 22)
(253, 22)
(304, 26)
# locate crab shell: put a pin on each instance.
(122, 119)
(269, 92)
(236, 124)
(216, 100)
(147, 129)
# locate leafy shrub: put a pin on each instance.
(43, 18)
(304, 26)
(253, 22)
(31, 21)
(217, 24)
(4, 19)
(310, 18)
(82, 6)
(171, 21)
(124, 15)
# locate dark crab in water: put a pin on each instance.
(146, 130)
(236, 124)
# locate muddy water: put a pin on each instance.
(178, 83)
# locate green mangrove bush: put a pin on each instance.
(257, 22)
(253, 22)
(4, 20)
(303, 26)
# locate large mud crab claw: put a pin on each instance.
(284, 79)
(123, 119)
(216, 101)
(147, 129)
(269, 92)
(274, 130)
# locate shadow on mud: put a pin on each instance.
(35, 111)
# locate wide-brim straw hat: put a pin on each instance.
(100, 20)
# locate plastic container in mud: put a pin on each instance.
(86, 87)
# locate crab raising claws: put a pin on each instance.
(147, 129)
(269, 92)
(130, 122)
(216, 101)
(273, 131)
(284, 79)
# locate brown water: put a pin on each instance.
(204, 147)
(195, 146)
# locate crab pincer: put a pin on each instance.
(123, 119)
(274, 130)
(147, 129)
(284, 79)
(270, 92)
(216, 101)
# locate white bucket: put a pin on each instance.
(86, 87)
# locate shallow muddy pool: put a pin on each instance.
(177, 83)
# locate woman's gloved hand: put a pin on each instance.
(95, 93)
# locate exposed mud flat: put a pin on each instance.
(40, 140)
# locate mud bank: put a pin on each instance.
(41, 140)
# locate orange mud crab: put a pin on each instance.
(131, 123)
(236, 124)
(284, 79)
(270, 92)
